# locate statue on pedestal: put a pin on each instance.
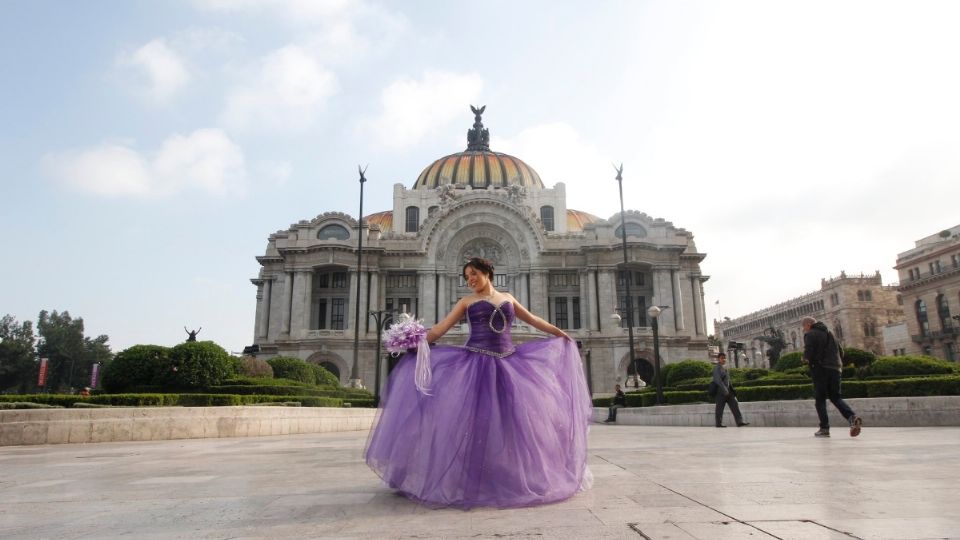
(192, 334)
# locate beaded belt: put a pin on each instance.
(491, 353)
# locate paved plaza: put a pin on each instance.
(650, 482)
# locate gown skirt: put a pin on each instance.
(502, 427)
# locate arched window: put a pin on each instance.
(943, 311)
(546, 217)
(413, 219)
(334, 232)
(838, 331)
(633, 229)
(922, 321)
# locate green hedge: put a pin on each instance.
(915, 386)
(199, 364)
(139, 365)
(288, 367)
(685, 370)
(911, 365)
(188, 400)
(791, 360)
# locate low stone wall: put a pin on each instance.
(876, 412)
(57, 426)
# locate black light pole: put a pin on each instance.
(654, 313)
(382, 317)
(355, 369)
(627, 278)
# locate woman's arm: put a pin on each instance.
(535, 321)
(441, 328)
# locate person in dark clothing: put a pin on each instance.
(725, 393)
(825, 358)
(619, 402)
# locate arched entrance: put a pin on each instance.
(331, 362)
(626, 372)
(332, 368)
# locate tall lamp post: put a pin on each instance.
(654, 313)
(355, 368)
(382, 317)
(627, 278)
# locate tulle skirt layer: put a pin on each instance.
(502, 432)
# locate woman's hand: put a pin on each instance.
(563, 334)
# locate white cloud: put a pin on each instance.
(162, 69)
(560, 154)
(273, 172)
(288, 89)
(205, 160)
(413, 108)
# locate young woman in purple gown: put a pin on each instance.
(502, 425)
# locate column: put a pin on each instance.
(538, 294)
(442, 297)
(522, 293)
(355, 277)
(588, 310)
(607, 299)
(287, 299)
(425, 296)
(677, 299)
(265, 304)
(662, 295)
(376, 300)
(300, 306)
(697, 295)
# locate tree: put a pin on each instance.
(17, 358)
(70, 354)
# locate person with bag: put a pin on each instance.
(725, 393)
(825, 358)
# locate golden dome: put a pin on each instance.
(477, 166)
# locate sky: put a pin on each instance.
(149, 148)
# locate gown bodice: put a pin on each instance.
(490, 327)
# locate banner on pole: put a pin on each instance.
(42, 378)
(94, 375)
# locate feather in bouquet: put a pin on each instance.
(409, 333)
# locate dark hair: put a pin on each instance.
(722, 354)
(482, 265)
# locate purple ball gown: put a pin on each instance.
(503, 426)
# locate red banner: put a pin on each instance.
(42, 379)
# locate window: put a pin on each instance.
(413, 219)
(560, 308)
(838, 330)
(333, 232)
(639, 311)
(899, 300)
(921, 309)
(401, 281)
(576, 311)
(956, 260)
(337, 314)
(638, 278)
(546, 216)
(869, 329)
(564, 279)
(330, 294)
(868, 296)
(860, 296)
(950, 351)
(633, 229)
(834, 299)
(943, 311)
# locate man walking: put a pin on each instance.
(825, 357)
(725, 393)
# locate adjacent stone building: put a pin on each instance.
(855, 308)
(930, 290)
(563, 264)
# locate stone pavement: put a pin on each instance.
(651, 482)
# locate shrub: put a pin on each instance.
(739, 375)
(685, 370)
(287, 367)
(255, 367)
(27, 405)
(210, 400)
(198, 364)
(136, 366)
(910, 365)
(324, 377)
(791, 360)
(858, 357)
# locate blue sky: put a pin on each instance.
(147, 149)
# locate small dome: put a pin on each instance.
(478, 166)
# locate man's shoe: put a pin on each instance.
(607, 421)
(822, 433)
(741, 424)
(721, 425)
(855, 423)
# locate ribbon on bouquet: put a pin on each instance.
(423, 373)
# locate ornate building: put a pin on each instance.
(563, 264)
(930, 289)
(855, 308)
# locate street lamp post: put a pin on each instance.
(627, 278)
(355, 368)
(382, 317)
(654, 313)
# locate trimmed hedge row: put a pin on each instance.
(914, 386)
(185, 400)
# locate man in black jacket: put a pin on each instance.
(825, 357)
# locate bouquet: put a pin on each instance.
(409, 333)
(404, 334)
